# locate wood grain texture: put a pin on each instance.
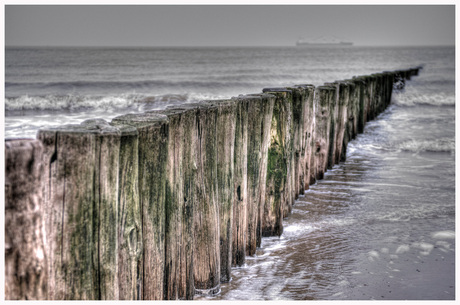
(26, 270)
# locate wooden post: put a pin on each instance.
(334, 113)
(280, 155)
(81, 189)
(307, 136)
(359, 90)
(181, 173)
(153, 130)
(240, 160)
(346, 117)
(225, 134)
(260, 110)
(26, 270)
(322, 129)
(130, 248)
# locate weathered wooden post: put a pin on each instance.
(359, 93)
(302, 120)
(180, 202)
(260, 110)
(285, 112)
(130, 248)
(323, 128)
(334, 113)
(81, 195)
(225, 133)
(280, 155)
(240, 161)
(26, 270)
(351, 119)
(206, 262)
(153, 132)
(343, 117)
(306, 138)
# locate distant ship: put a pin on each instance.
(323, 41)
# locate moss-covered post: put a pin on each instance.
(240, 196)
(380, 94)
(359, 93)
(259, 109)
(181, 174)
(106, 193)
(367, 97)
(225, 181)
(130, 248)
(351, 118)
(26, 270)
(306, 139)
(334, 113)
(322, 129)
(388, 87)
(299, 125)
(225, 133)
(206, 262)
(81, 167)
(153, 132)
(344, 117)
(280, 155)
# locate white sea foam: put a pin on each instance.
(425, 248)
(416, 98)
(78, 102)
(402, 249)
(430, 145)
(443, 235)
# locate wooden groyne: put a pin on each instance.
(160, 205)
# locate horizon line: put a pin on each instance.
(217, 46)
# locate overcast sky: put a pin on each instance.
(227, 25)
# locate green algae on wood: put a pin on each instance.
(306, 138)
(153, 151)
(206, 262)
(130, 248)
(225, 133)
(82, 191)
(280, 156)
(179, 202)
(259, 108)
(322, 129)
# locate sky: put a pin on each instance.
(227, 25)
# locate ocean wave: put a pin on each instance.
(79, 102)
(67, 102)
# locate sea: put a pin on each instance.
(379, 226)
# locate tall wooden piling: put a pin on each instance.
(324, 97)
(260, 109)
(179, 202)
(26, 251)
(153, 132)
(130, 247)
(206, 256)
(279, 180)
(225, 181)
(240, 179)
(81, 165)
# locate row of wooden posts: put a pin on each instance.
(161, 204)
